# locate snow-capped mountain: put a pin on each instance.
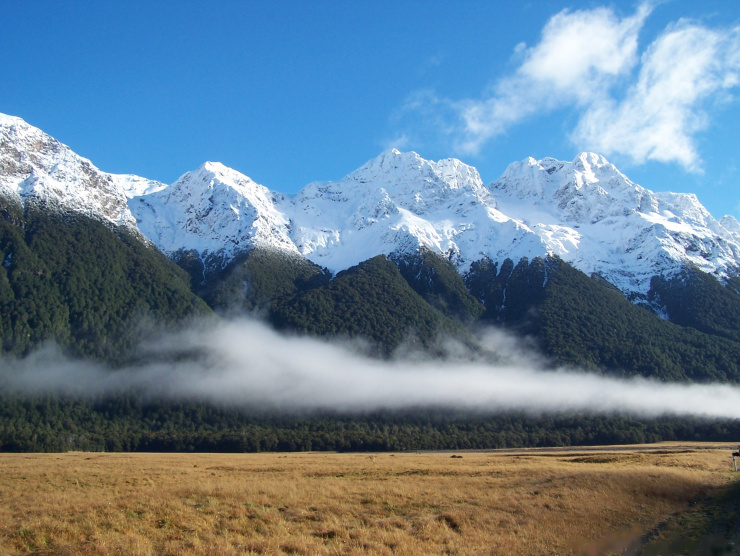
(597, 219)
(398, 203)
(213, 210)
(34, 165)
(585, 211)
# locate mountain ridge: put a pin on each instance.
(586, 212)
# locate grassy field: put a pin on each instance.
(576, 501)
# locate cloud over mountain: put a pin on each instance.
(642, 102)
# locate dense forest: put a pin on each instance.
(125, 423)
(584, 322)
(370, 301)
(97, 292)
(93, 290)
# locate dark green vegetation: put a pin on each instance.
(97, 292)
(697, 300)
(371, 301)
(253, 280)
(73, 280)
(440, 284)
(585, 322)
(125, 423)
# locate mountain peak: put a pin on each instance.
(214, 210)
(7, 120)
(391, 161)
(217, 168)
(211, 166)
(212, 176)
(393, 168)
(590, 159)
(34, 165)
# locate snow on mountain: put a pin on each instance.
(730, 224)
(616, 228)
(585, 211)
(398, 203)
(34, 165)
(214, 210)
(136, 186)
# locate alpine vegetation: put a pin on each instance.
(409, 287)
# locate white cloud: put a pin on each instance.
(581, 51)
(578, 58)
(663, 110)
(647, 105)
(246, 364)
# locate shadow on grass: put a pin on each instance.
(710, 527)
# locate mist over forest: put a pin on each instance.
(244, 363)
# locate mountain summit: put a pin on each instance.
(586, 212)
(215, 211)
(36, 167)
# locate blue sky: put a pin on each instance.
(289, 92)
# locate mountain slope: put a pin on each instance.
(438, 282)
(93, 290)
(587, 323)
(252, 281)
(35, 166)
(695, 299)
(369, 301)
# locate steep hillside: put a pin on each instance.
(253, 280)
(697, 300)
(436, 279)
(587, 323)
(371, 301)
(92, 289)
(35, 166)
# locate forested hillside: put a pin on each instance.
(92, 290)
(97, 292)
(370, 301)
(585, 322)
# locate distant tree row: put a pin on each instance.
(126, 423)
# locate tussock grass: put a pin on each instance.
(552, 502)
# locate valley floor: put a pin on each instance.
(575, 501)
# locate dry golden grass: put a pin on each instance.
(528, 502)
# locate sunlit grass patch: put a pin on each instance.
(318, 503)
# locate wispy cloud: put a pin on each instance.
(662, 112)
(646, 106)
(246, 364)
(400, 142)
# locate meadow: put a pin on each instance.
(574, 501)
